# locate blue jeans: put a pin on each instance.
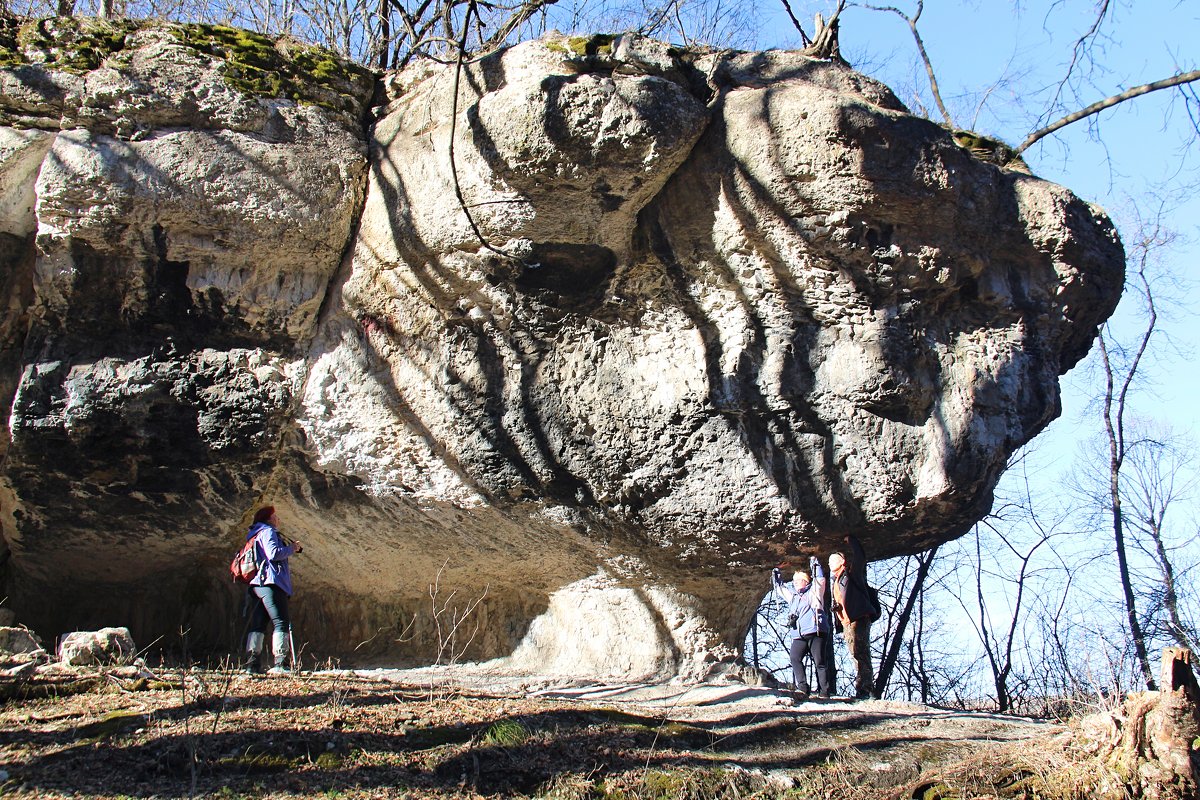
(272, 603)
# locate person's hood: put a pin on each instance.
(255, 528)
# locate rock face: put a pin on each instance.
(614, 329)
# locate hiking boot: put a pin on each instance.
(800, 695)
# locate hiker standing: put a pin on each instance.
(269, 591)
(853, 606)
(808, 625)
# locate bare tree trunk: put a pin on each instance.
(825, 36)
(754, 639)
(933, 83)
(1114, 417)
(999, 674)
(1154, 470)
(888, 663)
(1179, 631)
(919, 640)
(383, 46)
(1159, 471)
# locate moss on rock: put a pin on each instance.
(70, 44)
(284, 68)
(252, 762)
(257, 65)
(10, 52)
(599, 44)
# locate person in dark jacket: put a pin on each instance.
(269, 592)
(808, 625)
(854, 609)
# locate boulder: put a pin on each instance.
(549, 370)
(17, 641)
(787, 312)
(102, 647)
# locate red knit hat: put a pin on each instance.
(264, 513)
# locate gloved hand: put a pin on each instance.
(792, 620)
(813, 561)
(776, 576)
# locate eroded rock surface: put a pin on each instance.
(167, 242)
(705, 311)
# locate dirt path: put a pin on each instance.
(434, 734)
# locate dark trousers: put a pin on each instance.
(269, 602)
(858, 642)
(813, 646)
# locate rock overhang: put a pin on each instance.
(721, 309)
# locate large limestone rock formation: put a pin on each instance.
(614, 328)
(168, 239)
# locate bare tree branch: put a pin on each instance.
(1095, 108)
(1082, 45)
(1191, 104)
(791, 15)
(912, 26)
(518, 18)
(458, 68)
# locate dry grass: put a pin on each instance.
(218, 734)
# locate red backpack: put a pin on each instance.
(246, 563)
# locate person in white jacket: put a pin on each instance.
(808, 625)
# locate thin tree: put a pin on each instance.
(1121, 371)
(1159, 478)
(894, 636)
(999, 650)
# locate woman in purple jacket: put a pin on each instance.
(270, 590)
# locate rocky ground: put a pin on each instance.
(125, 732)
